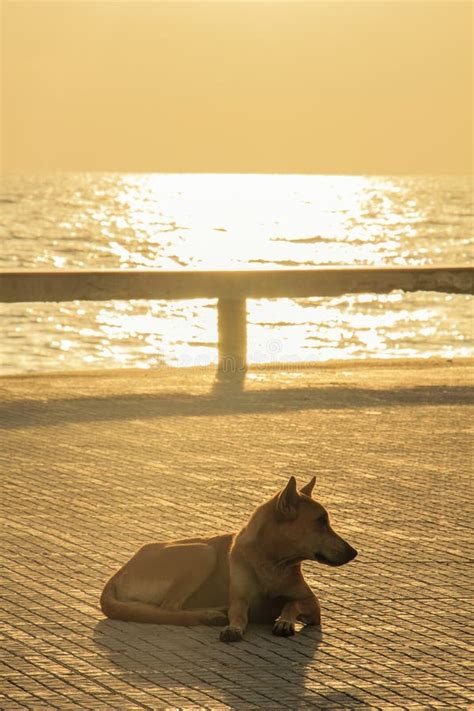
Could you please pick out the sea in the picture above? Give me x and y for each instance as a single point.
(184, 222)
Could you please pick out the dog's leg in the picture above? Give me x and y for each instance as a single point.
(310, 613)
(240, 593)
(193, 564)
(306, 611)
(285, 625)
(238, 618)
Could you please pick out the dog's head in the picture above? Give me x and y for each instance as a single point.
(303, 528)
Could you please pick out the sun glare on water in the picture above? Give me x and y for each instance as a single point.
(246, 221)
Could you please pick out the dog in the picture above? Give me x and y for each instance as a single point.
(254, 575)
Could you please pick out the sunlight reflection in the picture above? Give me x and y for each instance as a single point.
(242, 221)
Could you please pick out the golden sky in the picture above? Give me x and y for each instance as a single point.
(374, 87)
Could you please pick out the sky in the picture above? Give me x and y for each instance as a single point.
(330, 87)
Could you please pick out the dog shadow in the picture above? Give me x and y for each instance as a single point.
(178, 666)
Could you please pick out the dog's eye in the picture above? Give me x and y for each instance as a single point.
(322, 520)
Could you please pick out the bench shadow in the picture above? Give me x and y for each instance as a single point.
(224, 399)
(191, 661)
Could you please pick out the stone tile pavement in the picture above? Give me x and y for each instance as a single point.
(94, 465)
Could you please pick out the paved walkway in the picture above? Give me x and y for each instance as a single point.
(93, 466)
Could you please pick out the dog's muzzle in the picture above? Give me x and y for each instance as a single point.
(349, 555)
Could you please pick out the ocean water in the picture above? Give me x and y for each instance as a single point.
(232, 222)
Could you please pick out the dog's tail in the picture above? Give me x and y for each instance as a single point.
(144, 612)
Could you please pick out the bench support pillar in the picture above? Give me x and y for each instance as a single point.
(232, 331)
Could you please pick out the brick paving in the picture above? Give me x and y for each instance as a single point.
(95, 465)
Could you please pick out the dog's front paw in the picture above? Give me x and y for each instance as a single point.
(231, 634)
(282, 628)
(217, 618)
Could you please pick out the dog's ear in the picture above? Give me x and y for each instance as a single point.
(308, 489)
(288, 500)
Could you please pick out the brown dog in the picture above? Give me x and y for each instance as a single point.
(254, 574)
